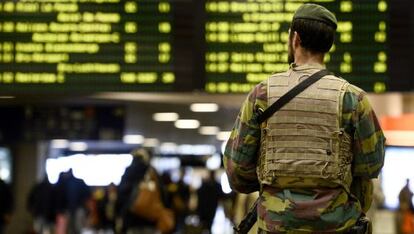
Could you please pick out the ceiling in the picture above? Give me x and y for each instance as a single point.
(141, 106)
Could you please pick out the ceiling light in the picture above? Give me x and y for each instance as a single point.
(196, 149)
(133, 139)
(78, 146)
(59, 143)
(204, 107)
(187, 123)
(7, 97)
(165, 116)
(223, 135)
(151, 142)
(213, 162)
(209, 130)
(168, 148)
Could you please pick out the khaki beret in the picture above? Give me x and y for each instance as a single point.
(316, 12)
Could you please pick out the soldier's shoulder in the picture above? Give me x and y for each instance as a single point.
(259, 91)
(355, 90)
(281, 74)
(336, 77)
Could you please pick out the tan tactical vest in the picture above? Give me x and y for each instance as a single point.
(304, 139)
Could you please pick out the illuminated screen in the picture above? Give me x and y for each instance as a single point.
(247, 41)
(397, 168)
(84, 45)
(214, 46)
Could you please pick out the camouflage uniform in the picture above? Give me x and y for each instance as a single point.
(307, 205)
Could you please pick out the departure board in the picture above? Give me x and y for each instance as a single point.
(247, 41)
(213, 46)
(86, 45)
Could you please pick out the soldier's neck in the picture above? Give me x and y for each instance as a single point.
(303, 56)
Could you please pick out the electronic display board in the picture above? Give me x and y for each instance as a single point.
(214, 46)
(247, 41)
(76, 45)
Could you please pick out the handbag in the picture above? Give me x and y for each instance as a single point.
(146, 203)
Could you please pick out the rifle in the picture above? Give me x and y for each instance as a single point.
(362, 226)
(248, 221)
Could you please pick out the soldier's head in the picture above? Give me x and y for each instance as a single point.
(313, 28)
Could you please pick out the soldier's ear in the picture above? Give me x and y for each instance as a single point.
(296, 39)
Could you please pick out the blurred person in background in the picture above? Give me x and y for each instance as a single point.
(110, 200)
(313, 160)
(405, 197)
(180, 201)
(93, 218)
(71, 195)
(405, 215)
(128, 222)
(6, 205)
(42, 206)
(209, 195)
(105, 199)
(169, 189)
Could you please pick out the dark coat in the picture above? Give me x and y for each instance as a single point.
(131, 178)
(6, 201)
(41, 201)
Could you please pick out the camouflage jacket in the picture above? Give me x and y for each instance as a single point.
(317, 208)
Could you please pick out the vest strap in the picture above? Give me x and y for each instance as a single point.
(291, 94)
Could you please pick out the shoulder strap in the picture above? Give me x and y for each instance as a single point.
(291, 94)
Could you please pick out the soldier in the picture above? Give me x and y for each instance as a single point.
(313, 160)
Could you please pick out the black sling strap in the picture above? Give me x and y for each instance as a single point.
(291, 94)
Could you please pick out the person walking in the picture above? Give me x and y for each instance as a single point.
(71, 195)
(209, 195)
(129, 222)
(140, 205)
(6, 205)
(41, 205)
(312, 160)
